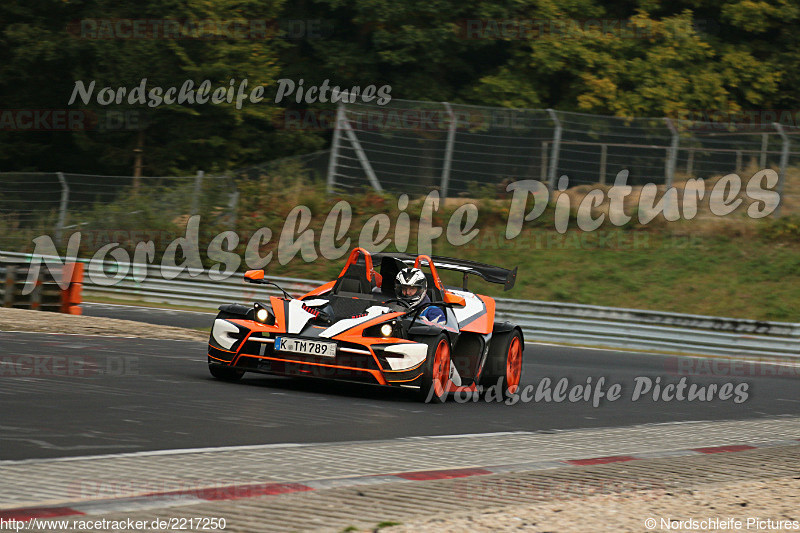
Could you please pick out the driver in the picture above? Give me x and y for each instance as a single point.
(411, 286)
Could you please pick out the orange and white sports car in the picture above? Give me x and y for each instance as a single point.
(356, 329)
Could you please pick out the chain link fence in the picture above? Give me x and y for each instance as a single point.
(128, 210)
(312, 167)
(407, 147)
(121, 208)
(414, 147)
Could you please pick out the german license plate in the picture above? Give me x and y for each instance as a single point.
(305, 346)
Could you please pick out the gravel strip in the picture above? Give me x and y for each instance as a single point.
(46, 322)
(775, 500)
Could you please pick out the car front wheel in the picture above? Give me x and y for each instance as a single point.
(436, 371)
(225, 373)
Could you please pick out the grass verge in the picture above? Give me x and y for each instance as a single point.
(725, 266)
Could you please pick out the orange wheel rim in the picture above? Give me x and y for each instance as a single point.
(441, 368)
(514, 365)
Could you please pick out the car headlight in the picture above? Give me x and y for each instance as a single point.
(262, 314)
(385, 330)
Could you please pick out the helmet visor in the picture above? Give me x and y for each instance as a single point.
(409, 292)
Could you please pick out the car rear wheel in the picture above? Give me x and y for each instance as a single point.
(436, 371)
(225, 373)
(504, 362)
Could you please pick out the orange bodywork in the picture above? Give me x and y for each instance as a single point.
(354, 335)
(435, 274)
(354, 257)
(322, 289)
(454, 299)
(485, 323)
(254, 275)
(359, 344)
(278, 310)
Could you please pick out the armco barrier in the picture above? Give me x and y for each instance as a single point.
(47, 294)
(637, 329)
(587, 325)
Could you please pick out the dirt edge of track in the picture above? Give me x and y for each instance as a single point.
(46, 322)
(714, 507)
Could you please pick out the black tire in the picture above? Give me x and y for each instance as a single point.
(436, 371)
(498, 368)
(225, 315)
(221, 372)
(225, 373)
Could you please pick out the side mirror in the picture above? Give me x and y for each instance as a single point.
(254, 276)
(454, 299)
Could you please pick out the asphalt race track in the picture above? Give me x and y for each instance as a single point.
(64, 395)
(150, 315)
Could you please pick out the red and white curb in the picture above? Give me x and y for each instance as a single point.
(255, 490)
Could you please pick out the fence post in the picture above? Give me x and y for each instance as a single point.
(690, 162)
(10, 286)
(554, 153)
(670, 163)
(333, 158)
(738, 161)
(545, 144)
(784, 162)
(198, 184)
(62, 208)
(448, 154)
(603, 157)
(764, 144)
(362, 156)
(233, 203)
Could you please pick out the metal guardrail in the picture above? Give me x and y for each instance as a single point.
(596, 326)
(46, 294)
(637, 329)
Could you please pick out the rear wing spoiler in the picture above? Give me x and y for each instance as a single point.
(490, 273)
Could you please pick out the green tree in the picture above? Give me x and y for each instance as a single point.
(637, 66)
(644, 58)
(49, 48)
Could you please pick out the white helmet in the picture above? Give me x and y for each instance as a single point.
(410, 285)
